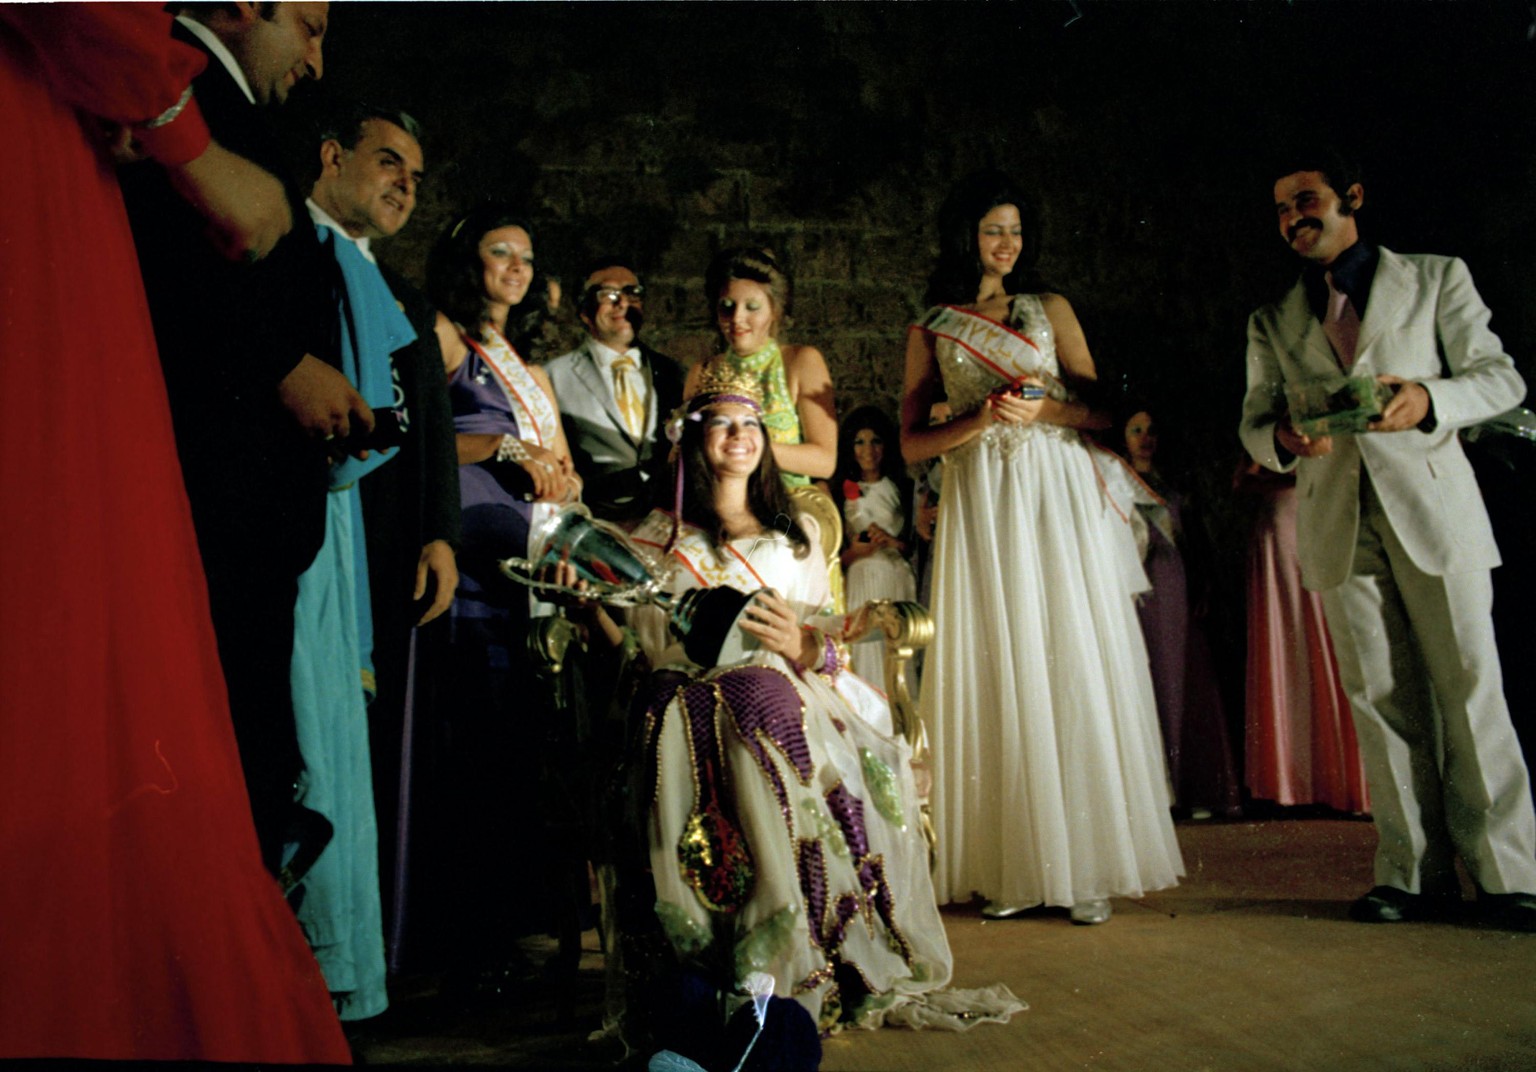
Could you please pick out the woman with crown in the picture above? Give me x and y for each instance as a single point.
(1049, 784)
(750, 295)
(784, 831)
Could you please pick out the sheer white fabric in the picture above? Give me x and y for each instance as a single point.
(886, 574)
(899, 950)
(1049, 780)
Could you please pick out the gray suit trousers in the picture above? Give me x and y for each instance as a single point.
(1417, 658)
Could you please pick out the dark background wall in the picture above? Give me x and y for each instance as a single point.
(831, 131)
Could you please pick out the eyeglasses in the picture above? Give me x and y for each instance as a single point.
(611, 295)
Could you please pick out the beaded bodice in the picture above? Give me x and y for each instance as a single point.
(968, 380)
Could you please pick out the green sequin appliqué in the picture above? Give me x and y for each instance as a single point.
(884, 792)
(756, 950)
(823, 826)
(686, 935)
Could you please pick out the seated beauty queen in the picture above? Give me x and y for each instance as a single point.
(784, 831)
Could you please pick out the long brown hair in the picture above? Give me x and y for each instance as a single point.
(767, 497)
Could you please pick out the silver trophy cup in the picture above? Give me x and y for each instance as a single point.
(618, 574)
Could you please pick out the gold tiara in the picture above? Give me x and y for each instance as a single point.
(722, 379)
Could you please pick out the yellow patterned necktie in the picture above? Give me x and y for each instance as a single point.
(630, 407)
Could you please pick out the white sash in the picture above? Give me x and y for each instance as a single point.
(1008, 354)
(537, 421)
(700, 560)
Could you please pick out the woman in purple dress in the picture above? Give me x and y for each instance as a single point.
(512, 450)
(513, 464)
(1189, 707)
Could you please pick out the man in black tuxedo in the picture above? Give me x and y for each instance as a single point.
(615, 396)
(255, 395)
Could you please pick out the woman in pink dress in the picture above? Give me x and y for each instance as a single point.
(1301, 737)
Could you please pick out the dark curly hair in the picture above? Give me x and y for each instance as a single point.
(767, 497)
(875, 419)
(455, 273)
(1338, 170)
(956, 278)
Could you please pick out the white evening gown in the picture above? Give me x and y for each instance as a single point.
(784, 830)
(1049, 780)
(886, 574)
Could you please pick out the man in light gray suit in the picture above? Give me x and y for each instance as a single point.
(1393, 531)
(615, 396)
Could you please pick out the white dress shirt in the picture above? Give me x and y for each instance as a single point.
(224, 56)
(605, 357)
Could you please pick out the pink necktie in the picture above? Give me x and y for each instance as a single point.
(1342, 324)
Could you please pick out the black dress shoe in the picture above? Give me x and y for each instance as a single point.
(1508, 911)
(306, 837)
(1388, 904)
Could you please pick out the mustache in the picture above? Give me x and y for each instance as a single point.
(1296, 228)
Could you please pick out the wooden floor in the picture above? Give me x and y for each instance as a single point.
(1249, 965)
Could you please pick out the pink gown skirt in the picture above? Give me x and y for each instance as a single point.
(1300, 735)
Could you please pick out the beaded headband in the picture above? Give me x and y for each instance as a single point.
(718, 383)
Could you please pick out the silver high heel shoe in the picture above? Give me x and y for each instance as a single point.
(1087, 913)
(999, 910)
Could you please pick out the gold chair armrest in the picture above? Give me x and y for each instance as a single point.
(809, 499)
(908, 628)
(548, 641)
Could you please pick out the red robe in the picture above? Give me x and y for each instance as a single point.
(136, 919)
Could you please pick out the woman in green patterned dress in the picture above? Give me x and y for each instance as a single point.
(750, 295)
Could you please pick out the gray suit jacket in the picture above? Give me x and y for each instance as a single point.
(1424, 321)
(621, 471)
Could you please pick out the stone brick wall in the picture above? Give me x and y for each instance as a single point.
(831, 132)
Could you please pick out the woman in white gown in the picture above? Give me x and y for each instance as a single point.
(875, 497)
(784, 831)
(1049, 784)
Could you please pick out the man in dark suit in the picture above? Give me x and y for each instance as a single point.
(254, 392)
(615, 396)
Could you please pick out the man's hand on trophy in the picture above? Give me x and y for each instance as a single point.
(1409, 406)
(1302, 446)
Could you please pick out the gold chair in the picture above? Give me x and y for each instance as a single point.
(810, 499)
(908, 628)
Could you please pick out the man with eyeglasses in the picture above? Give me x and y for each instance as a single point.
(615, 396)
